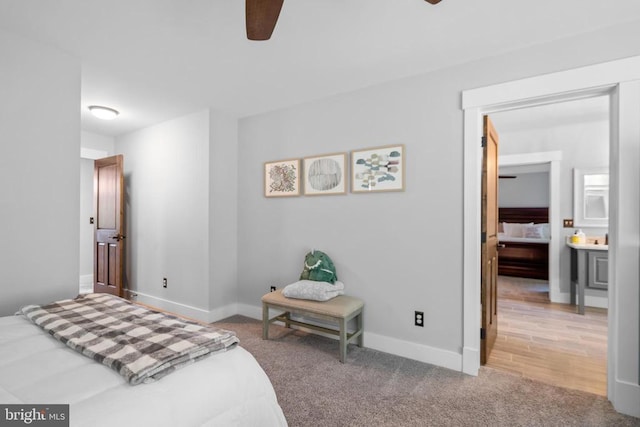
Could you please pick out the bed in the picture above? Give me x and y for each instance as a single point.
(524, 242)
(227, 388)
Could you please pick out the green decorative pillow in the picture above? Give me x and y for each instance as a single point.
(318, 267)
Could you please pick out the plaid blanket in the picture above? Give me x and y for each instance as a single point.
(141, 344)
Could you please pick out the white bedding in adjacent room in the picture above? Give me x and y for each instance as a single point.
(502, 237)
(226, 389)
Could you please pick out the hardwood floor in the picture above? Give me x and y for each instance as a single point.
(549, 342)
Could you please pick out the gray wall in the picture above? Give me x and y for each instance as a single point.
(39, 173)
(399, 252)
(223, 214)
(527, 190)
(181, 208)
(166, 182)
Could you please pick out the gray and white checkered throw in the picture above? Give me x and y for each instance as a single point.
(141, 344)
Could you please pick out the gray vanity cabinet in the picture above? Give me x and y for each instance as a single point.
(598, 269)
(589, 269)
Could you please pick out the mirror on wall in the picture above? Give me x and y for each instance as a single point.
(591, 197)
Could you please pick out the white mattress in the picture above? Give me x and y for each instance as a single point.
(226, 389)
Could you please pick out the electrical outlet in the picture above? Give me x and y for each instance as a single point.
(419, 318)
(273, 289)
(164, 282)
(567, 223)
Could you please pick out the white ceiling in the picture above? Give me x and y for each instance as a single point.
(157, 59)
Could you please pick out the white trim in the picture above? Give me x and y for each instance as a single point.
(624, 232)
(91, 154)
(553, 158)
(549, 88)
(471, 240)
(250, 311)
(171, 306)
(411, 350)
(623, 273)
(628, 398)
(589, 300)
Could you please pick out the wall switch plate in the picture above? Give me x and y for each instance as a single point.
(164, 282)
(567, 223)
(272, 289)
(419, 318)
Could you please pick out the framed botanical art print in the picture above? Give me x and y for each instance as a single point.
(325, 174)
(282, 178)
(378, 169)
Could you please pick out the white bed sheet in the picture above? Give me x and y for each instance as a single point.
(504, 238)
(226, 389)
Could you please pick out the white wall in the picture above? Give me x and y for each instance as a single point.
(399, 252)
(96, 145)
(39, 170)
(166, 207)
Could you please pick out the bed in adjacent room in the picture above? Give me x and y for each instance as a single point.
(524, 242)
(218, 384)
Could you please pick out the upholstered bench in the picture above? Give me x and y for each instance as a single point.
(340, 310)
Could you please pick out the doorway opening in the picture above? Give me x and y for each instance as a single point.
(538, 328)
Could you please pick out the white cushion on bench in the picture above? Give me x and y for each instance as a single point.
(312, 290)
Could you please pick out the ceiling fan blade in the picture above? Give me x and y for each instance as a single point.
(433, 1)
(262, 16)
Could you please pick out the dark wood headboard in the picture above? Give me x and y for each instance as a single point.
(523, 215)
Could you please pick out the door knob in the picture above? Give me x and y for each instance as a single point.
(119, 237)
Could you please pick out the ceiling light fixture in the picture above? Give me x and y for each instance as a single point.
(104, 113)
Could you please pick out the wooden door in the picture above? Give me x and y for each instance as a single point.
(108, 205)
(489, 241)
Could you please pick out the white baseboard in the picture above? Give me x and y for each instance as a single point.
(627, 398)
(250, 311)
(470, 361)
(589, 300)
(86, 284)
(414, 351)
(173, 307)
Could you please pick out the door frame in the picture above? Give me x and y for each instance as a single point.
(620, 80)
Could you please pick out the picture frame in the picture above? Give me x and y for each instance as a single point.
(325, 174)
(282, 178)
(378, 169)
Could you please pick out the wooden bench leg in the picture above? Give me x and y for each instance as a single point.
(343, 339)
(265, 321)
(287, 316)
(360, 323)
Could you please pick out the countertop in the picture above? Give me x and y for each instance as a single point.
(587, 246)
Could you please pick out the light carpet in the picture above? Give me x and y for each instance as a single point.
(378, 389)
